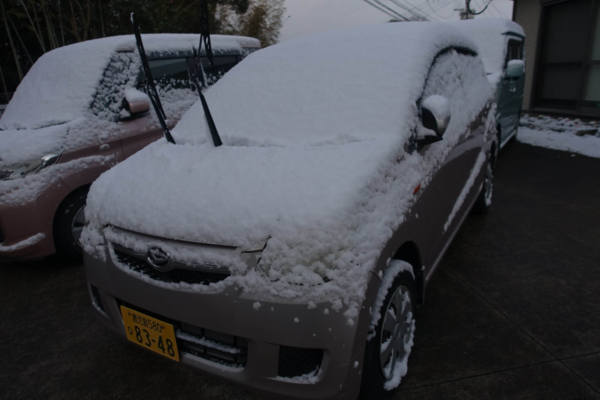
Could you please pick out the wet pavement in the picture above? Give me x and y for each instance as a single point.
(513, 310)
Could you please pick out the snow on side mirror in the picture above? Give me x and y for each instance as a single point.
(515, 68)
(135, 104)
(435, 117)
(435, 114)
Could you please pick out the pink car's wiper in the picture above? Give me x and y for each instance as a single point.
(150, 87)
(205, 37)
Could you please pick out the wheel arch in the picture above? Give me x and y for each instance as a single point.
(409, 252)
(72, 193)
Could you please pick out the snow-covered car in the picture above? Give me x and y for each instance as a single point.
(77, 113)
(501, 44)
(291, 259)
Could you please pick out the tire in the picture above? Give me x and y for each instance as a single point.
(68, 225)
(382, 375)
(484, 199)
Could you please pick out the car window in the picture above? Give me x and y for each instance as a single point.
(458, 76)
(514, 50)
(222, 65)
(121, 73)
(169, 73)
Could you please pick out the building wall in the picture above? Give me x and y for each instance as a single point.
(527, 14)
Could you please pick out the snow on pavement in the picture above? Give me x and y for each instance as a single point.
(561, 134)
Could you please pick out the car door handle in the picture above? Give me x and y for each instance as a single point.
(104, 146)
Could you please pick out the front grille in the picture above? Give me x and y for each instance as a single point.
(214, 346)
(174, 276)
(1, 236)
(204, 343)
(294, 361)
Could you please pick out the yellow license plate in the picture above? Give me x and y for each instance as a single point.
(151, 333)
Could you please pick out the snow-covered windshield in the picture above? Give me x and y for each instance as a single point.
(59, 86)
(338, 87)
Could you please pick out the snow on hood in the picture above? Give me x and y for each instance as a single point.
(236, 196)
(62, 83)
(490, 36)
(18, 146)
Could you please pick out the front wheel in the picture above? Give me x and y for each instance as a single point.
(68, 225)
(391, 339)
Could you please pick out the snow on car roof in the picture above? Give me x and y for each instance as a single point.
(62, 83)
(490, 36)
(346, 85)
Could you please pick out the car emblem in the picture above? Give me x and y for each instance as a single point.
(159, 259)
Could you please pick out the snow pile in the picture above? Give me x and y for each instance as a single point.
(489, 35)
(314, 162)
(561, 134)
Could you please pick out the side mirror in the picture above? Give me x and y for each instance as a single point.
(435, 117)
(515, 68)
(135, 104)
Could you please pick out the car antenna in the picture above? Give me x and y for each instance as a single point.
(150, 87)
(205, 37)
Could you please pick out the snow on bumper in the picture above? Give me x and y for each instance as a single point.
(270, 329)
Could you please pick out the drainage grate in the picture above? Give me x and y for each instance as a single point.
(174, 276)
(294, 361)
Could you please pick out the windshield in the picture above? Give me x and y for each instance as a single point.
(58, 88)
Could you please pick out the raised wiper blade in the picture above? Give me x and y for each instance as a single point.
(205, 38)
(150, 87)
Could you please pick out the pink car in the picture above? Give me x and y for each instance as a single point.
(77, 113)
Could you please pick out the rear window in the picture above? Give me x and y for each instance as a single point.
(173, 72)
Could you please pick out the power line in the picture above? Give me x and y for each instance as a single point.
(436, 13)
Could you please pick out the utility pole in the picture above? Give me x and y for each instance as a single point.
(464, 12)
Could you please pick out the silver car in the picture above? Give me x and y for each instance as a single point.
(291, 260)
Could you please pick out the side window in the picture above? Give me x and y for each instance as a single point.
(514, 50)
(171, 73)
(121, 73)
(461, 79)
(222, 65)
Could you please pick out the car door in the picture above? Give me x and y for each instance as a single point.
(172, 81)
(455, 154)
(511, 91)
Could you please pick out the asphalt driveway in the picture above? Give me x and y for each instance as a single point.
(513, 311)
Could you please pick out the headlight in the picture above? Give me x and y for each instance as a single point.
(29, 168)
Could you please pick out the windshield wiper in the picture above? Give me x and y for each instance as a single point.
(150, 87)
(205, 37)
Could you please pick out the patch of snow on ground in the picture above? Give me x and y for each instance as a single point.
(561, 134)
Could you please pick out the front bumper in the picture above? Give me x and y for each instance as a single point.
(26, 233)
(269, 331)
(27, 224)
